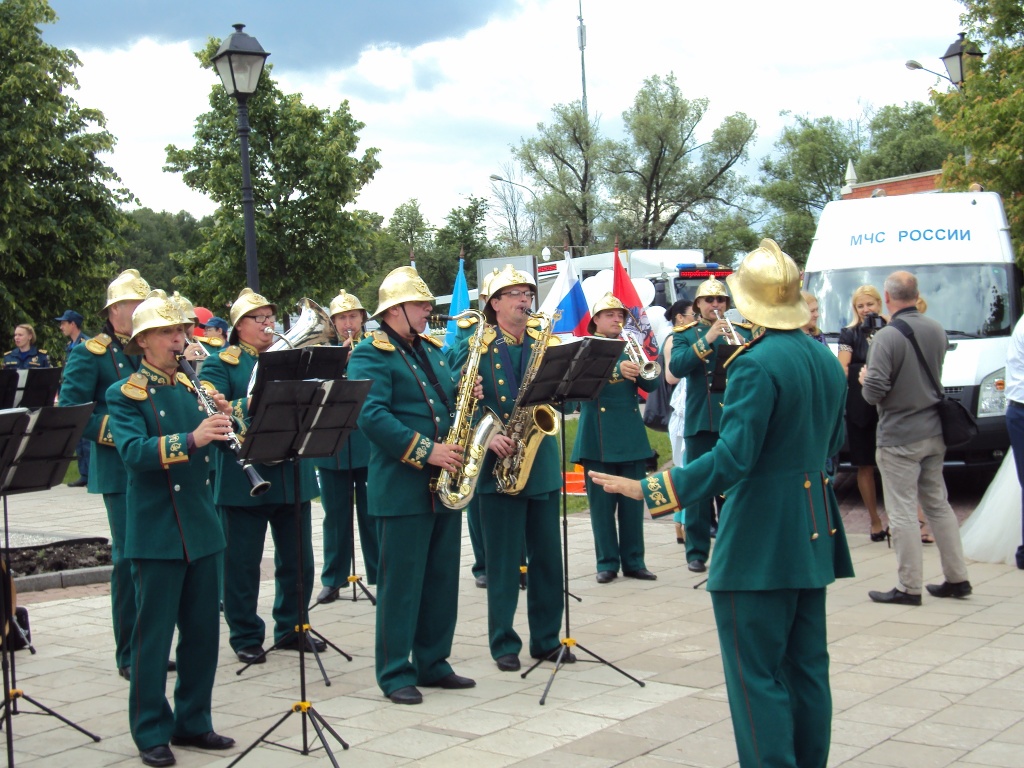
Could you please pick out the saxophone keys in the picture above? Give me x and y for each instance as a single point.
(471, 470)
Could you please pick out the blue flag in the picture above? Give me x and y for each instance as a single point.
(460, 302)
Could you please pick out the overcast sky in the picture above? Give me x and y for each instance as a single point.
(445, 87)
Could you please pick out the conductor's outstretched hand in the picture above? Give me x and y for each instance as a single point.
(616, 484)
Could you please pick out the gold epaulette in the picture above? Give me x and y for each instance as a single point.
(41, 351)
(467, 322)
(98, 344)
(535, 333)
(432, 339)
(134, 387)
(382, 342)
(489, 335)
(744, 326)
(211, 340)
(681, 328)
(533, 322)
(183, 379)
(231, 355)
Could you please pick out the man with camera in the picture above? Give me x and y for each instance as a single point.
(910, 449)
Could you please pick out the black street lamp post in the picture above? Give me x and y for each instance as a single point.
(953, 60)
(239, 62)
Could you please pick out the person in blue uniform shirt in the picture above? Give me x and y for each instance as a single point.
(90, 370)
(406, 416)
(71, 326)
(780, 540)
(611, 438)
(217, 328)
(172, 535)
(246, 518)
(343, 480)
(25, 355)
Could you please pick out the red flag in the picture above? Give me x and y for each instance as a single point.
(637, 323)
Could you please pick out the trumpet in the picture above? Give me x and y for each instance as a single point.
(259, 485)
(732, 337)
(649, 369)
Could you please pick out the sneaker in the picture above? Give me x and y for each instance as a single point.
(947, 589)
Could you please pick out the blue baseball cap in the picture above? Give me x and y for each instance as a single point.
(218, 322)
(71, 316)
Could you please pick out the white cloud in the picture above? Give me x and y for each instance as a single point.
(445, 113)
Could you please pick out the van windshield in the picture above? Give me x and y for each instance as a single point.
(971, 300)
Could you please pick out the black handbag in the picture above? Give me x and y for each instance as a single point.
(958, 425)
(658, 409)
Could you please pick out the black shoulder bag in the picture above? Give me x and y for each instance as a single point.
(958, 425)
(658, 409)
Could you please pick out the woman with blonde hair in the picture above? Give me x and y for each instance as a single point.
(861, 418)
(812, 329)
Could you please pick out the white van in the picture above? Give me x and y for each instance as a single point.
(958, 246)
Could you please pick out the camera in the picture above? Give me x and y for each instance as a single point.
(872, 322)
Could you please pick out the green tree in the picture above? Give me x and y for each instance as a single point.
(408, 225)
(986, 117)
(151, 237)
(565, 160)
(304, 173)
(60, 220)
(661, 174)
(904, 140)
(465, 232)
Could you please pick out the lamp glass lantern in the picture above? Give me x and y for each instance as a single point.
(953, 59)
(239, 62)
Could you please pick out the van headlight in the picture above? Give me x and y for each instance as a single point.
(992, 394)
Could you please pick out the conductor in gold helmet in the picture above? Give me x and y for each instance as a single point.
(406, 416)
(780, 539)
(695, 355)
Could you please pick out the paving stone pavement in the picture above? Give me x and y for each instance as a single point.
(938, 685)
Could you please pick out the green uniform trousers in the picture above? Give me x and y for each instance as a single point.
(417, 598)
(476, 536)
(626, 547)
(246, 532)
(698, 517)
(173, 592)
(775, 654)
(508, 522)
(336, 492)
(122, 588)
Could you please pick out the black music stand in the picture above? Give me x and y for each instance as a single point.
(36, 389)
(8, 387)
(35, 450)
(576, 371)
(297, 419)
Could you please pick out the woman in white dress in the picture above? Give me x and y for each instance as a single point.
(993, 531)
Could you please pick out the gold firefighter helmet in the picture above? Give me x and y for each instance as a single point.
(766, 288)
(711, 287)
(605, 303)
(399, 286)
(505, 278)
(186, 308)
(128, 286)
(346, 302)
(157, 311)
(246, 302)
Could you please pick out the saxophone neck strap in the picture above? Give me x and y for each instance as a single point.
(514, 376)
(418, 352)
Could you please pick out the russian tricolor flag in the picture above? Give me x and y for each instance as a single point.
(572, 303)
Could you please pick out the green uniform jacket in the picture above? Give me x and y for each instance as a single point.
(610, 427)
(91, 369)
(170, 503)
(693, 358)
(228, 372)
(403, 417)
(780, 526)
(500, 397)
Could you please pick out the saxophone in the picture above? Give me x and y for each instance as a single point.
(456, 489)
(528, 425)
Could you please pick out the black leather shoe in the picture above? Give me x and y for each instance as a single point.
(481, 581)
(641, 573)
(567, 658)
(697, 566)
(407, 695)
(311, 643)
(254, 654)
(603, 577)
(947, 589)
(452, 682)
(896, 597)
(79, 483)
(508, 663)
(125, 672)
(160, 755)
(328, 595)
(208, 740)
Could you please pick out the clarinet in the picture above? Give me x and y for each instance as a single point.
(233, 444)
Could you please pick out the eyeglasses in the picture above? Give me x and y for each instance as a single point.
(722, 299)
(261, 319)
(516, 294)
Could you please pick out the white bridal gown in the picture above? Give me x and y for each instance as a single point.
(993, 531)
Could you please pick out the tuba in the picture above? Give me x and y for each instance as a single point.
(649, 369)
(528, 425)
(313, 327)
(456, 489)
